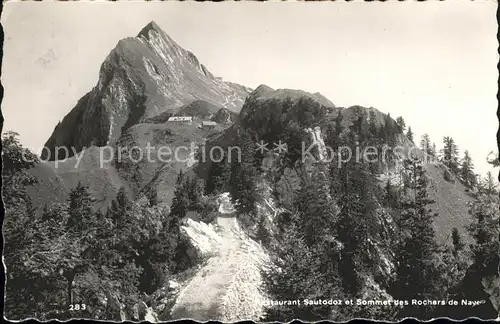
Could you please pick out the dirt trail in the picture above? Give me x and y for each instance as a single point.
(227, 288)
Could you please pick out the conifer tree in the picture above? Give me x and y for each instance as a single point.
(318, 209)
(389, 130)
(409, 134)
(456, 238)
(332, 138)
(391, 198)
(401, 124)
(356, 220)
(485, 231)
(180, 202)
(417, 271)
(373, 128)
(426, 146)
(79, 209)
(218, 179)
(54, 252)
(467, 170)
(489, 186)
(195, 193)
(334, 135)
(338, 124)
(120, 207)
(262, 233)
(18, 218)
(243, 179)
(360, 127)
(300, 276)
(450, 154)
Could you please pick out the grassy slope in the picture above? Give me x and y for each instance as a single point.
(198, 108)
(50, 187)
(162, 175)
(55, 180)
(450, 203)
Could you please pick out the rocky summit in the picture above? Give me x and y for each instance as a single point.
(142, 77)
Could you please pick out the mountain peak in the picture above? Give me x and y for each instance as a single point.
(143, 77)
(150, 26)
(262, 90)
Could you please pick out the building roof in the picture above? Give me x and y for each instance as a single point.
(209, 123)
(180, 118)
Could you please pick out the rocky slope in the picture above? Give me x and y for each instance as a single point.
(142, 77)
(224, 116)
(143, 81)
(267, 110)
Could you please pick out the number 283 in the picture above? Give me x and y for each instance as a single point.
(77, 307)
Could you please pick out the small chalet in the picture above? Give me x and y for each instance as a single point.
(208, 124)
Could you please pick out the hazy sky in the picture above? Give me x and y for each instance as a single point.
(434, 63)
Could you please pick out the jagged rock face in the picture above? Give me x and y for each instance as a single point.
(142, 77)
(224, 116)
(266, 110)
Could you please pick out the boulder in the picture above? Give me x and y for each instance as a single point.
(150, 315)
(141, 312)
(172, 285)
(201, 239)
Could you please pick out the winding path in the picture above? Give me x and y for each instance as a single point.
(227, 288)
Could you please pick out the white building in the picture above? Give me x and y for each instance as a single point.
(208, 124)
(181, 119)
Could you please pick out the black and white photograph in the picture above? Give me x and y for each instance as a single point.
(250, 161)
